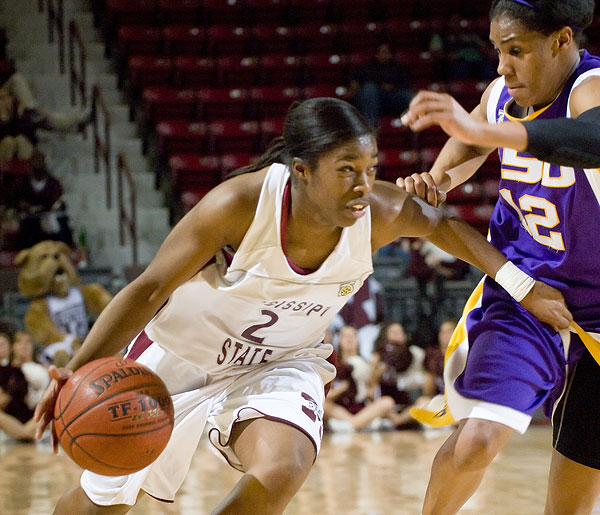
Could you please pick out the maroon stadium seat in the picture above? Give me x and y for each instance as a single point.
(326, 90)
(148, 70)
(394, 163)
(309, 11)
(228, 136)
(193, 175)
(281, 69)
(318, 38)
(468, 192)
(343, 10)
(185, 39)
(467, 92)
(390, 9)
(274, 39)
(218, 103)
(182, 137)
(361, 35)
(267, 11)
(224, 11)
(233, 161)
(238, 71)
(326, 69)
(392, 134)
(229, 40)
(193, 71)
(270, 128)
(271, 101)
(139, 40)
(130, 12)
(179, 11)
(168, 104)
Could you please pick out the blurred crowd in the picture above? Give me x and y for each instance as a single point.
(32, 208)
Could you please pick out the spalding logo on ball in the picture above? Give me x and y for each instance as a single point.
(113, 416)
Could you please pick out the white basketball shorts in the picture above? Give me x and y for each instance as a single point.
(290, 392)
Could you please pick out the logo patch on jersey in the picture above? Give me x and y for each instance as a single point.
(346, 289)
(500, 117)
(311, 409)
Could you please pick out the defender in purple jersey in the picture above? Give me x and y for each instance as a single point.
(543, 115)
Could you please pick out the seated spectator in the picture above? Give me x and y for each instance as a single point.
(351, 404)
(433, 364)
(401, 369)
(16, 416)
(381, 87)
(13, 385)
(364, 311)
(430, 264)
(64, 121)
(35, 373)
(40, 206)
(17, 129)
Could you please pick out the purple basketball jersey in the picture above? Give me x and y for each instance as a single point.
(547, 216)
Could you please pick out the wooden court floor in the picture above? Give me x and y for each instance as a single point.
(356, 474)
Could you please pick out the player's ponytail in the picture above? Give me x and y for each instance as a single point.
(275, 153)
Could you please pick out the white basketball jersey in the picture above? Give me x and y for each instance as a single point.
(69, 313)
(258, 309)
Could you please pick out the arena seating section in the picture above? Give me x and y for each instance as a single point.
(214, 78)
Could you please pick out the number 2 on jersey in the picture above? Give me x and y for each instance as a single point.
(532, 222)
(249, 333)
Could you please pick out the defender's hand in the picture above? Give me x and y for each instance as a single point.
(548, 305)
(429, 108)
(423, 186)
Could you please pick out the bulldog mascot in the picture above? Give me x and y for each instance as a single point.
(57, 317)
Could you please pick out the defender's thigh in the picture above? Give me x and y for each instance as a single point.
(576, 419)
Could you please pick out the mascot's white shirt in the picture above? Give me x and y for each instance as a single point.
(258, 309)
(69, 313)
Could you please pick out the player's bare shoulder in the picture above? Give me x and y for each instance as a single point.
(232, 204)
(386, 201)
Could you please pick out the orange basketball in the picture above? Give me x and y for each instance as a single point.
(113, 416)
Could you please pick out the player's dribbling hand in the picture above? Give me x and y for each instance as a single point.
(423, 186)
(429, 108)
(44, 411)
(548, 305)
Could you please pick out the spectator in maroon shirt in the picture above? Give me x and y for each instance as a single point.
(40, 205)
(13, 385)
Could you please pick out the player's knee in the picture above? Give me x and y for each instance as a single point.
(478, 443)
(388, 402)
(285, 475)
(75, 501)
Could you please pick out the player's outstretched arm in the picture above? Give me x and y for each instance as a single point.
(563, 141)
(396, 214)
(220, 219)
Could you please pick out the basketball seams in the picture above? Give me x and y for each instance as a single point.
(125, 470)
(101, 363)
(103, 400)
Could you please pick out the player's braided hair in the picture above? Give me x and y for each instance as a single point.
(312, 128)
(547, 16)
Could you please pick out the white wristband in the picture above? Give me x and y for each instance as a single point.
(516, 282)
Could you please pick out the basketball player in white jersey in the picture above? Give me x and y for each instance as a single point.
(232, 311)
